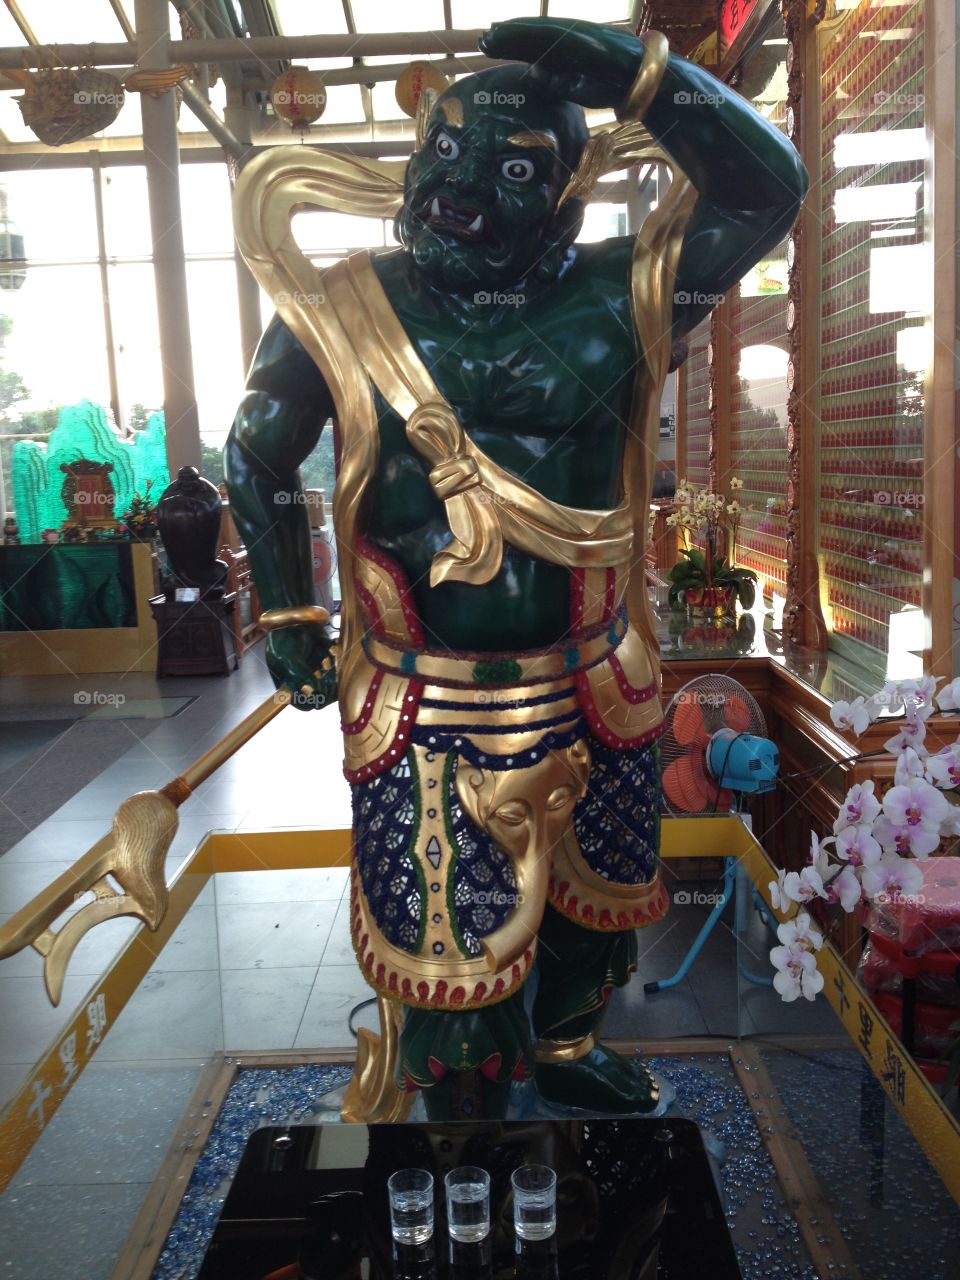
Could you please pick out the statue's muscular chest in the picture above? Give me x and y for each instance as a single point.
(542, 385)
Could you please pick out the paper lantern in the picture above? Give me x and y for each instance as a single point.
(298, 97)
(412, 82)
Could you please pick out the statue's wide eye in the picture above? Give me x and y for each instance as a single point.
(446, 148)
(517, 170)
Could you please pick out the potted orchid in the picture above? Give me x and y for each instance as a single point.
(873, 855)
(705, 580)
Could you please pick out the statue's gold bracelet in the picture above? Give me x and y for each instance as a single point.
(644, 88)
(296, 615)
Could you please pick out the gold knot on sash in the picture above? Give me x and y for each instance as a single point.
(476, 551)
(435, 432)
(486, 506)
(453, 476)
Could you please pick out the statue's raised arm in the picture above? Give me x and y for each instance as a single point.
(748, 178)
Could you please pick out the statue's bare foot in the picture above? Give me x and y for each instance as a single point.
(602, 1080)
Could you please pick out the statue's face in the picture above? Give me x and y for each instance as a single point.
(480, 208)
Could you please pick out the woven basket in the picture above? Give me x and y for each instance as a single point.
(63, 106)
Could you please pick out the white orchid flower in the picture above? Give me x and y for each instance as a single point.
(803, 886)
(797, 973)
(948, 699)
(852, 717)
(909, 765)
(858, 846)
(860, 806)
(893, 878)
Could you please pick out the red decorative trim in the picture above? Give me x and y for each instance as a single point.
(369, 552)
(375, 621)
(605, 921)
(490, 1067)
(393, 753)
(600, 730)
(577, 591)
(632, 694)
(363, 719)
(578, 597)
(609, 595)
(389, 982)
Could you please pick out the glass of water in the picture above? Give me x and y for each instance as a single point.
(534, 1201)
(411, 1205)
(468, 1203)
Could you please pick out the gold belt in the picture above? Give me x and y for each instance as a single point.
(491, 670)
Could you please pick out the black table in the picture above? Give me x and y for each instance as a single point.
(636, 1200)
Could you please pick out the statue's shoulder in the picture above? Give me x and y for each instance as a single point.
(600, 273)
(607, 261)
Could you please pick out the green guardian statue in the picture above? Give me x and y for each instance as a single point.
(495, 388)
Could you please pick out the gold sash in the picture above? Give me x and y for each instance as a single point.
(485, 504)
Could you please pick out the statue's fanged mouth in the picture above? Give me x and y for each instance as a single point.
(463, 222)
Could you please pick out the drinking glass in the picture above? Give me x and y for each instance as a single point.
(411, 1205)
(468, 1203)
(534, 1201)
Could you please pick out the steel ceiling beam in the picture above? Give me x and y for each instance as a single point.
(192, 96)
(266, 48)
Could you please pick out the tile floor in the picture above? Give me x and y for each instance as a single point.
(264, 960)
(261, 961)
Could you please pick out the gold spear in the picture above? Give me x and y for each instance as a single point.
(132, 853)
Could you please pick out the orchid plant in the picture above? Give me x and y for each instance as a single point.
(715, 520)
(872, 854)
(703, 513)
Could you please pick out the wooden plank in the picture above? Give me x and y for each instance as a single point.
(939, 388)
(159, 1210)
(829, 1252)
(700, 1046)
(299, 1057)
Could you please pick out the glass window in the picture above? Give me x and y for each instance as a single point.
(218, 370)
(189, 122)
(317, 231)
(299, 19)
(11, 121)
(55, 212)
(615, 11)
(126, 212)
(477, 15)
(133, 309)
(10, 33)
(205, 203)
(383, 15)
(74, 21)
(344, 106)
(693, 463)
(56, 341)
(875, 337)
(601, 221)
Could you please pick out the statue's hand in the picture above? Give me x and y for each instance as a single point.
(580, 61)
(299, 658)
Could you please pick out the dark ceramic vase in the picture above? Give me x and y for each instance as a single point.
(188, 516)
